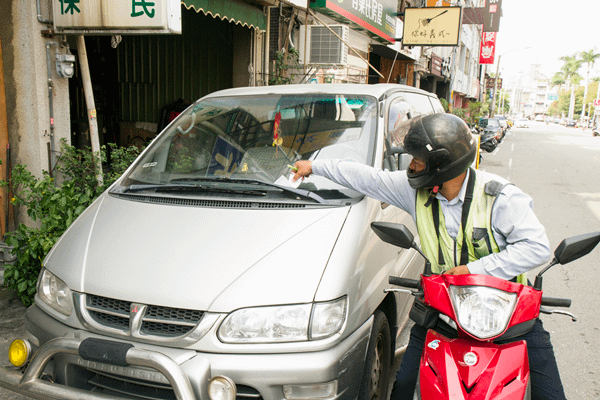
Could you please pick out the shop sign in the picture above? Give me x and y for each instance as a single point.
(492, 12)
(376, 16)
(487, 48)
(431, 26)
(490, 83)
(438, 3)
(436, 64)
(116, 16)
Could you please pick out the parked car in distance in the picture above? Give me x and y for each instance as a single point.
(491, 126)
(503, 122)
(570, 122)
(205, 269)
(522, 123)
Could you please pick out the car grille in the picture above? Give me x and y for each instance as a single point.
(156, 321)
(115, 385)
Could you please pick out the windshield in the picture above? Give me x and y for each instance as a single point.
(491, 122)
(259, 138)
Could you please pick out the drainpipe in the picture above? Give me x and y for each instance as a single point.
(91, 105)
(49, 44)
(39, 14)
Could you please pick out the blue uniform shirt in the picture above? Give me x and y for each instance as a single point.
(519, 234)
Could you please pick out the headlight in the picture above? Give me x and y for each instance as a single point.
(284, 323)
(54, 292)
(482, 311)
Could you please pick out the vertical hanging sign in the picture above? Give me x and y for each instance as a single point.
(488, 47)
(492, 13)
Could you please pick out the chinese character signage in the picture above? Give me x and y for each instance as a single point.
(377, 17)
(431, 26)
(492, 13)
(491, 84)
(488, 48)
(438, 3)
(117, 16)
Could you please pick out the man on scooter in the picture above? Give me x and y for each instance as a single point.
(469, 222)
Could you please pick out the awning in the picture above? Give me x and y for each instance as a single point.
(234, 11)
(387, 52)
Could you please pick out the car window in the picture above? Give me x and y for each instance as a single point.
(437, 105)
(399, 111)
(485, 122)
(420, 103)
(257, 137)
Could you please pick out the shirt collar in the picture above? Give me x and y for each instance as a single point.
(461, 194)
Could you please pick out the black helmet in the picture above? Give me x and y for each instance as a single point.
(444, 142)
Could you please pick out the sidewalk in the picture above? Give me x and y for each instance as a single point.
(12, 326)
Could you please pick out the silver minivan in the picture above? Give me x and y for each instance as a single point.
(205, 272)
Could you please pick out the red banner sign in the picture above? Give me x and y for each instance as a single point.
(488, 48)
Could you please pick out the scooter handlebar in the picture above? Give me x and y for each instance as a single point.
(405, 282)
(555, 302)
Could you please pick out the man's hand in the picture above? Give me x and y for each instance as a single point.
(303, 170)
(460, 270)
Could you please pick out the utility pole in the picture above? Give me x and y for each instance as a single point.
(496, 81)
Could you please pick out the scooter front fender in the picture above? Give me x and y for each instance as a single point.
(498, 372)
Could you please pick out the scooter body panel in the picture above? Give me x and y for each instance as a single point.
(501, 372)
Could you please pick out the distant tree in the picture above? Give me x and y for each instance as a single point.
(553, 109)
(558, 79)
(572, 78)
(588, 58)
(570, 70)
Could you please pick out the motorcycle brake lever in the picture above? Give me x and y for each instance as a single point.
(548, 311)
(398, 290)
(416, 294)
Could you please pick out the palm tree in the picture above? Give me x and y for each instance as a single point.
(558, 79)
(569, 72)
(588, 58)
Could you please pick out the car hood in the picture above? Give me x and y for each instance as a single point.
(212, 259)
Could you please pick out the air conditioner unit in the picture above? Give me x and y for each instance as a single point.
(323, 47)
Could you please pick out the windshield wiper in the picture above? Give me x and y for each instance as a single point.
(193, 188)
(299, 192)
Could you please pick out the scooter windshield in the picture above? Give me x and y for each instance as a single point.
(259, 138)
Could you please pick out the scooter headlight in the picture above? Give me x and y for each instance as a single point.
(482, 311)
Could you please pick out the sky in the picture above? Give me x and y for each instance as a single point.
(551, 28)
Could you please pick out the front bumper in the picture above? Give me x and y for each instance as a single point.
(185, 372)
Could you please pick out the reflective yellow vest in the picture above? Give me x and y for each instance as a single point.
(480, 238)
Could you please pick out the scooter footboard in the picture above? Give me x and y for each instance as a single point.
(468, 369)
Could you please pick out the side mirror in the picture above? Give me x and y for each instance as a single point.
(570, 250)
(394, 234)
(397, 150)
(399, 235)
(576, 247)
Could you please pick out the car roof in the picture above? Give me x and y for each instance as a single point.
(376, 90)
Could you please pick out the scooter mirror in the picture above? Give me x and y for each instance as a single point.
(575, 247)
(394, 234)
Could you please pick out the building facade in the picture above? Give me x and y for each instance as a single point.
(140, 80)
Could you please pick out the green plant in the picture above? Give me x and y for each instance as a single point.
(459, 112)
(445, 104)
(54, 207)
(285, 61)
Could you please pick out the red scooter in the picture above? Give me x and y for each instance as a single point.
(466, 315)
